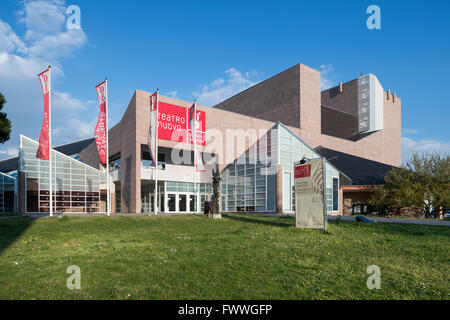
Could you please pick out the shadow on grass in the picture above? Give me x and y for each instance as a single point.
(260, 220)
(11, 229)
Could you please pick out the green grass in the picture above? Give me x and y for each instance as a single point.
(237, 257)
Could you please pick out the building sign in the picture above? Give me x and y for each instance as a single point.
(309, 194)
(173, 124)
(302, 171)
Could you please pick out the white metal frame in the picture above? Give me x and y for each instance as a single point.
(71, 160)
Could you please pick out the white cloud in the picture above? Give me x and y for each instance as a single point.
(74, 129)
(221, 89)
(172, 94)
(65, 101)
(327, 79)
(11, 152)
(410, 131)
(46, 41)
(9, 41)
(423, 146)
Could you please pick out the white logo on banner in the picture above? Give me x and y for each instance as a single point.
(44, 82)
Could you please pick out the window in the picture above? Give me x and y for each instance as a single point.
(335, 194)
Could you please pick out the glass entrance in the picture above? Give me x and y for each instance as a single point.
(191, 203)
(182, 202)
(171, 202)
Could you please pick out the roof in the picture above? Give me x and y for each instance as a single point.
(69, 149)
(74, 147)
(360, 170)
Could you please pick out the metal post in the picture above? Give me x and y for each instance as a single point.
(155, 198)
(108, 196)
(324, 194)
(50, 135)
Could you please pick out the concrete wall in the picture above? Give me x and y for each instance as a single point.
(274, 99)
(345, 100)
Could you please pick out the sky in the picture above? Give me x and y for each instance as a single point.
(211, 50)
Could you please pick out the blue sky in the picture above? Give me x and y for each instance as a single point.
(210, 50)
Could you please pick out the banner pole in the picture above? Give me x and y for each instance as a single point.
(108, 196)
(50, 136)
(194, 140)
(155, 199)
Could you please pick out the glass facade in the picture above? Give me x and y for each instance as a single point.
(7, 193)
(76, 186)
(248, 184)
(174, 196)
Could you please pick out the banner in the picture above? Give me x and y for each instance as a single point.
(100, 128)
(194, 125)
(43, 151)
(309, 194)
(152, 131)
(173, 124)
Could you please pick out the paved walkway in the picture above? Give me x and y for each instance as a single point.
(345, 218)
(397, 220)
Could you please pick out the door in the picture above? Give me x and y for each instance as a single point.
(191, 203)
(182, 202)
(171, 202)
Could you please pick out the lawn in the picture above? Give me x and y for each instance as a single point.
(238, 257)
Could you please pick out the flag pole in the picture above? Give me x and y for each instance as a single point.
(50, 136)
(155, 197)
(108, 196)
(194, 138)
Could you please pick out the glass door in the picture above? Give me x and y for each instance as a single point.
(171, 202)
(182, 202)
(191, 203)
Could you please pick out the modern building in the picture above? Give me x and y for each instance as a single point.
(252, 138)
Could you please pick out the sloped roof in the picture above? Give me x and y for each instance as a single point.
(360, 170)
(69, 149)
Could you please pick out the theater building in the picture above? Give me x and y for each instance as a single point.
(252, 138)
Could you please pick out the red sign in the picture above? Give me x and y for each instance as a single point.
(302, 171)
(100, 128)
(43, 151)
(173, 124)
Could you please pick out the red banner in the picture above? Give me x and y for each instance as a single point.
(194, 123)
(173, 124)
(152, 132)
(302, 171)
(43, 151)
(100, 128)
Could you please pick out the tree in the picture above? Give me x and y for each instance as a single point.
(216, 189)
(424, 182)
(5, 124)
